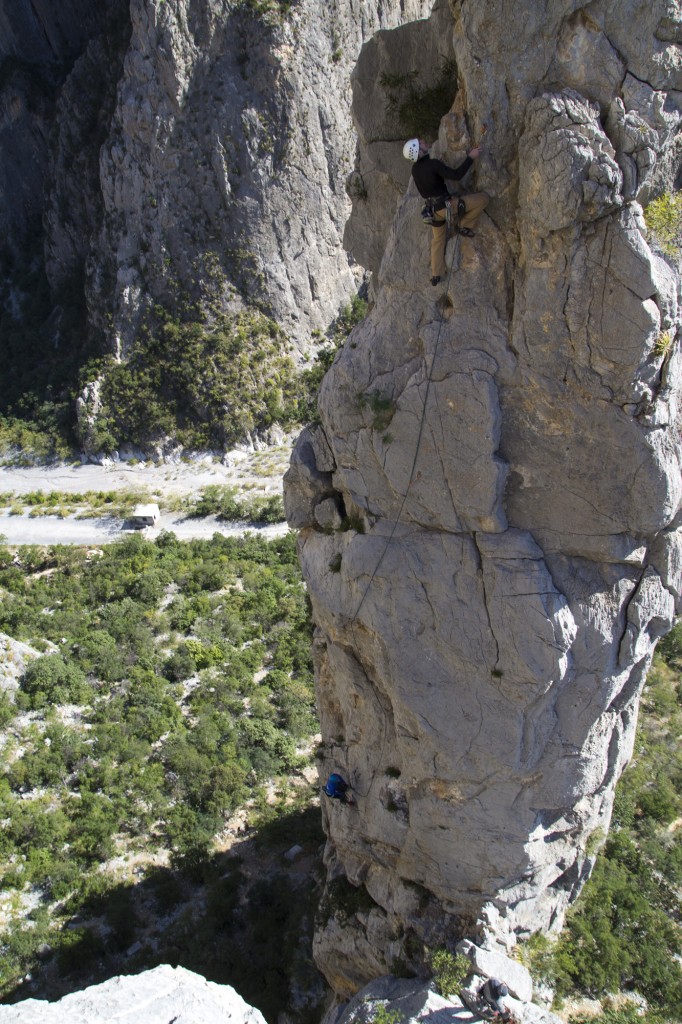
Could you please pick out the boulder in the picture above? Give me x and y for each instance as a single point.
(156, 997)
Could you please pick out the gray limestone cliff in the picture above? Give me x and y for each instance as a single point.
(157, 151)
(503, 452)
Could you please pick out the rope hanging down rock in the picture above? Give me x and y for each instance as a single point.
(407, 491)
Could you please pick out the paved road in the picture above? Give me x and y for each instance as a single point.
(54, 530)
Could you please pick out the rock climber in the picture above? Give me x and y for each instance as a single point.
(492, 992)
(430, 177)
(338, 789)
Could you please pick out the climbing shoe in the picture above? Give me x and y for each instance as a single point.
(435, 281)
(467, 232)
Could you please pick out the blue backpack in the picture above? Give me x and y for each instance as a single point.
(336, 786)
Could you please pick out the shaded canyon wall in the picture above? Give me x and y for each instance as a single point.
(168, 151)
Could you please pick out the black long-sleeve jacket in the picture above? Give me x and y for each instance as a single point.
(430, 175)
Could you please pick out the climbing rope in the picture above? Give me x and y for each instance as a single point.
(412, 471)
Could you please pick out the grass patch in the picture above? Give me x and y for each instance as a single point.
(663, 218)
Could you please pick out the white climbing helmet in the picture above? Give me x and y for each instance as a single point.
(411, 150)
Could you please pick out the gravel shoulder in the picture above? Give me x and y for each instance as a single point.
(246, 470)
(254, 473)
(71, 530)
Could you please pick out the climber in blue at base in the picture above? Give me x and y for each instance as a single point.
(338, 789)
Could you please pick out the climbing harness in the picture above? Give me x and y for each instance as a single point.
(433, 206)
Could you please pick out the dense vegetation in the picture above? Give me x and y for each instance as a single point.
(175, 684)
(175, 681)
(202, 383)
(624, 933)
(211, 385)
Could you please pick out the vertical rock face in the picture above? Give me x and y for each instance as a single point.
(177, 151)
(505, 450)
(39, 46)
(228, 154)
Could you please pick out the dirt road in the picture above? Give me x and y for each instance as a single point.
(54, 530)
(260, 471)
(252, 473)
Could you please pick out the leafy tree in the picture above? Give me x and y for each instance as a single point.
(51, 680)
(180, 665)
(99, 653)
(149, 709)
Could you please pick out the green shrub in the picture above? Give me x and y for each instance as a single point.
(29, 441)
(7, 709)
(206, 384)
(51, 680)
(669, 647)
(224, 502)
(382, 1015)
(181, 665)
(146, 764)
(203, 655)
(79, 949)
(450, 971)
(265, 8)
(664, 220)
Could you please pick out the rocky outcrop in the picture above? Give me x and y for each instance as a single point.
(15, 657)
(506, 457)
(40, 46)
(412, 1001)
(226, 163)
(155, 997)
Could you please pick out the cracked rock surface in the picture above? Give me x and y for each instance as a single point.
(504, 451)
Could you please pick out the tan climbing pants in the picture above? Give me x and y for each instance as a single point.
(475, 203)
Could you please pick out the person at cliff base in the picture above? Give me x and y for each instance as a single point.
(338, 789)
(493, 991)
(430, 177)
